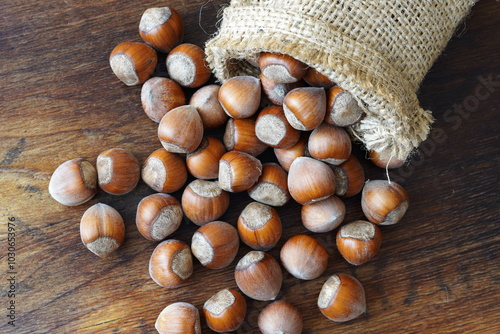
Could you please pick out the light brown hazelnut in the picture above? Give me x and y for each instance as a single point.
(179, 318)
(323, 216)
(203, 163)
(286, 156)
(281, 68)
(258, 275)
(225, 311)
(206, 101)
(133, 63)
(240, 96)
(305, 107)
(159, 96)
(330, 144)
(272, 186)
(215, 244)
(342, 298)
(238, 171)
(164, 172)
(239, 135)
(187, 66)
(158, 216)
(358, 241)
(171, 263)
(304, 257)
(162, 28)
(272, 128)
(181, 130)
(118, 171)
(280, 317)
(384, 202)
(102, 229)
(259, 226)
(74, 182)
(204, 201)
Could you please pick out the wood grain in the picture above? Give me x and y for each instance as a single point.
(438, 271)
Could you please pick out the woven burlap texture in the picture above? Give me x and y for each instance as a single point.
(378, 50)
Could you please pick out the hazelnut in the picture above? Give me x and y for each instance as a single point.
(240, 96)
(281, 68)
(118, 171)
(342, 298)
(323, 216)
(384, 202)
(203, 163)
(164, 172)
(171, 263)
(204, 201)
(238, 171)
(240, 136)
(350, 177)
(316, 79)
(215, 244)
(206, 101)
(280, 317)
(310, 180)
(179, 318)
(276, 92)
(259, 226)
(272, 186)
(384, 159)
(162, 28)
(359, 241)
(304, 257)
(102, 229)
(286, 156)
(172, 130)
(158, 216)
(258, 275)
(74, 182)
(342, 108)
(187, 66)
(133, 63)
(330, 144)
(305, 107)
(273, 129)
(225, 311)
(159, 96)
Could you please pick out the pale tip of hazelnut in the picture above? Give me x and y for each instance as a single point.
(202, 249)
(123, 67)
(154, 17)
(182, 263)
(219, 302)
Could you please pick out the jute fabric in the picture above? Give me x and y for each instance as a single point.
(378, 50)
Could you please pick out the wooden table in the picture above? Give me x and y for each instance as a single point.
(438, 270)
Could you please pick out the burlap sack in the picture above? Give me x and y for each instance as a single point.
(378, 50)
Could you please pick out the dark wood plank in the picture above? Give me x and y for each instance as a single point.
(437, 272)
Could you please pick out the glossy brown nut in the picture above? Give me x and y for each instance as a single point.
(118, 171)
(206, 101)
(171, 263)
(330, 144)
(74, 182)
(305, 107)
(159, 96)
(280, 317)
(272, 186)
(164, 172)
(259, 226)
(240, 96)
(323, 216)
(281, 68)
(238, 171)
(239, 135)
(172, 130)
(286, 156)
(350, 177)
(342, 298)
(215, 244)
(384, 202)
(273, 129)
(225, 311)
(203, 163)
(179, 318)
(358, 241)
(187, 66)
(204, 201)
(158, 216)
(102, 229)
(258, 275)
(304, 257)
(342, 108)
(133, 63)
(162, 28)
(384, 159)
(316, 79)
(310, 180)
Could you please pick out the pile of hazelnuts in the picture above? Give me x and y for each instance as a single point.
(291, 108)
